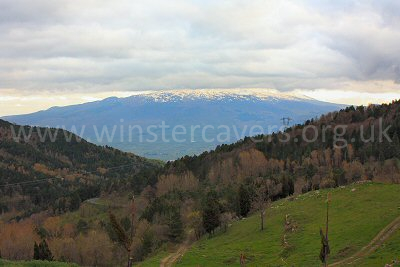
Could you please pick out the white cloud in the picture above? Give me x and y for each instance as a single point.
(92, 46)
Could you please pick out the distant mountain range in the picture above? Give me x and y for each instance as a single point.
(144, 123)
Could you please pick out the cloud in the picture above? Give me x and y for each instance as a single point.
(98, 46)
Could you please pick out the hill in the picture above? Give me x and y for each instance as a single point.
(238, 110)
(199, 196)
(53, 169)
(214, 188)
(357, 214)
(340, 147)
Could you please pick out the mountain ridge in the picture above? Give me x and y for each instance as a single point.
(240, 108)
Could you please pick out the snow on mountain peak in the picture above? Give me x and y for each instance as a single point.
(219, 94)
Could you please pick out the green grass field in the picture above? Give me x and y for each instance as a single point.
(154, 261)
(356, 217)
(35, 264)
(389, 251)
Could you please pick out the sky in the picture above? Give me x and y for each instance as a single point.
(73, 51)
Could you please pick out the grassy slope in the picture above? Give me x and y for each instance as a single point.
(356, 217)
(35, 264)
(154, 261)
(389, 251)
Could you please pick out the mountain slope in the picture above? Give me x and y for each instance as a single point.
(309, 165)
(358, 213)
(235, 110)
(355, 144)
(52, 168)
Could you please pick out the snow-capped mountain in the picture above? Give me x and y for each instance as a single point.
(220, 94)
(171, 124)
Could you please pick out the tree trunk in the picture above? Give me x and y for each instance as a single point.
(262, 219)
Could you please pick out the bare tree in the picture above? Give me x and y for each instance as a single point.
(125, 239)
(261, 200)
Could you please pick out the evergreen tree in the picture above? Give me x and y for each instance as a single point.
(244, 200)
(211, 211)
(46, 253)
(147, 244)
(75, 202)
(175, 227)
(36, 251)
(42, 251)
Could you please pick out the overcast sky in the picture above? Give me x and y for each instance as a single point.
(71, 51)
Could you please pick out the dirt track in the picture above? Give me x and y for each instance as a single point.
(372, 246)
(174, 257)
(378, 240)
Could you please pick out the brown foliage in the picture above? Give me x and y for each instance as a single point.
(17, 239)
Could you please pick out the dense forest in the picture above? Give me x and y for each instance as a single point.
(53, 169)
(197, 195)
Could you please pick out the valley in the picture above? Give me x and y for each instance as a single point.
(199, 133)
(205, 209)
(178, 122)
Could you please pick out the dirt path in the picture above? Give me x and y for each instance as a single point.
(383, 235)
(372, 246)
(174, 257)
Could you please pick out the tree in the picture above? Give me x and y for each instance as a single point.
(16, 240)
(211, 211)
(195, 222)
(75, 202)
(35, 251)
(122, 237)
(244, 200)
(225, 218)
(125, 239)
(147, 243)
(261, 199)
(175, 227)
(42, 251)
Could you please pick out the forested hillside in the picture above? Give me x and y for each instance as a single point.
(337, 156)
(55, 169)
(235, 180)
(186, 198)
(218, 187)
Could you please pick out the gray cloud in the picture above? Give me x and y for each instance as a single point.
(127, 45)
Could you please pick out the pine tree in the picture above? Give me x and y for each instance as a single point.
(36, 251)
(211, 212)
(42, 251)
(47, 255)
(244, 200)
(175, 227)
(147, 244)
